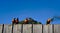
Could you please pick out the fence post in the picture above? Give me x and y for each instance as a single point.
(12, 27)
(32, 28)
(2, 28)
(22, 28)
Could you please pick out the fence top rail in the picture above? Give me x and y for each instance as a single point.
(30, 24)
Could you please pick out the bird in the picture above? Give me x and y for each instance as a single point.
(49, 20)
(13, 21)
(17, 21)
(26, 21)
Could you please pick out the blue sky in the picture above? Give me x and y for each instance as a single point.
(39, 10)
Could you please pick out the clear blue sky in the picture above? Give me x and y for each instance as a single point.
(39, 10)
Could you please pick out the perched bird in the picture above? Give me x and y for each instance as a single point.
(48, 21)
(26, 21)
(17, 21)
(13, 21)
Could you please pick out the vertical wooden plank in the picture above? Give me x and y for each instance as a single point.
(0, 28)
(37, 28)
(12, 28)
(56, 28)
(17, 28)
(7, 28)
(47, 29)
(27, 28)
(50, 29)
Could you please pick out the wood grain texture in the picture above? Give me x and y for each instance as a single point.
(56, 28)
(17, 28)
(27, 28)
(7, 28)
(37, 28)
(0, 28)
(47, 29)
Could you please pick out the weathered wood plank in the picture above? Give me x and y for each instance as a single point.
(50, 29)
(0, 28)
(17, 28)
(47, 29)
(37, 28)
(27, 28)
(56, 28)
(7, 28)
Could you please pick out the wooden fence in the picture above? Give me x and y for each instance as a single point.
(29, 28)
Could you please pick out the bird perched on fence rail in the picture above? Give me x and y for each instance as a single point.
(17, 21)
(26, 21)
(49, 20)
(13, 21)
